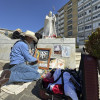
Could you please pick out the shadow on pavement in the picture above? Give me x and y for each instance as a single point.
(6, 66)
(36, 88)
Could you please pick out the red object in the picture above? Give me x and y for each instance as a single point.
(57, 89)
(54, 35)
(46, 81)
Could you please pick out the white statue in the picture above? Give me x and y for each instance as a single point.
(49, 26)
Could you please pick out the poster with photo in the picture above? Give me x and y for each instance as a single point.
(66, 51)
(57, 49)
(57, 63)
(44, 54)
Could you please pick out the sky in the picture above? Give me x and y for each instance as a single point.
(27, 14)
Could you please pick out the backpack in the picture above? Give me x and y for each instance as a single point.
(58, 89)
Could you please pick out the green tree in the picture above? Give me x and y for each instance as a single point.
(93, 44)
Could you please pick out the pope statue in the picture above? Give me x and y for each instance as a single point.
(49, 26)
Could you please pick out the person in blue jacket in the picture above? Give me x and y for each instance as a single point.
(20, 71)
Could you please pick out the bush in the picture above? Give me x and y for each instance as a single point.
(93, 44)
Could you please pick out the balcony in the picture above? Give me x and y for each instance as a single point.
(61, 17)
(60, 13)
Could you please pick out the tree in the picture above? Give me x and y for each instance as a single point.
(93, 44)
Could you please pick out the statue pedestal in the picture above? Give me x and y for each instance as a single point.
(66, 42)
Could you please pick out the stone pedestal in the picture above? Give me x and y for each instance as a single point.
(68, 42)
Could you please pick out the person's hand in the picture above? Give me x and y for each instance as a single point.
(32, 63)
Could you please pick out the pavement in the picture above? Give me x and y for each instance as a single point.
(30, 93)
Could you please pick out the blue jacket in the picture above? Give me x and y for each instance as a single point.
(20, 53)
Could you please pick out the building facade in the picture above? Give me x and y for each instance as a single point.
(70, 19)
(60, 22)
(67, 20)
(88, 18)
(56, 23)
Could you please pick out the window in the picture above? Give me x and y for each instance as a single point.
(88, 19)
(93, 1)
(89, 26)
(81, 28)
(69, 22)
(82, 14)
(70, 27)
(69, 11)
(85, 13)
(81, 22)
(96, 16)
(70, 33)
(80, 9)
(69, 6)
(69, 16)
(88, 4)
(89, 11)
(96, 7)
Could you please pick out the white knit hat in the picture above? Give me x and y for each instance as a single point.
(31, 34)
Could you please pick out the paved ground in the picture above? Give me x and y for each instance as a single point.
(30, 93)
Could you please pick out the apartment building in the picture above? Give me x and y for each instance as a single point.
(70, 19)
(88, 18)
(60, 22)
(67, 20)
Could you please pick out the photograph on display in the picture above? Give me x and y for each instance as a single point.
(44, 54)
(57, 63)
(43, 57)
(57, 49)
(66, 51)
